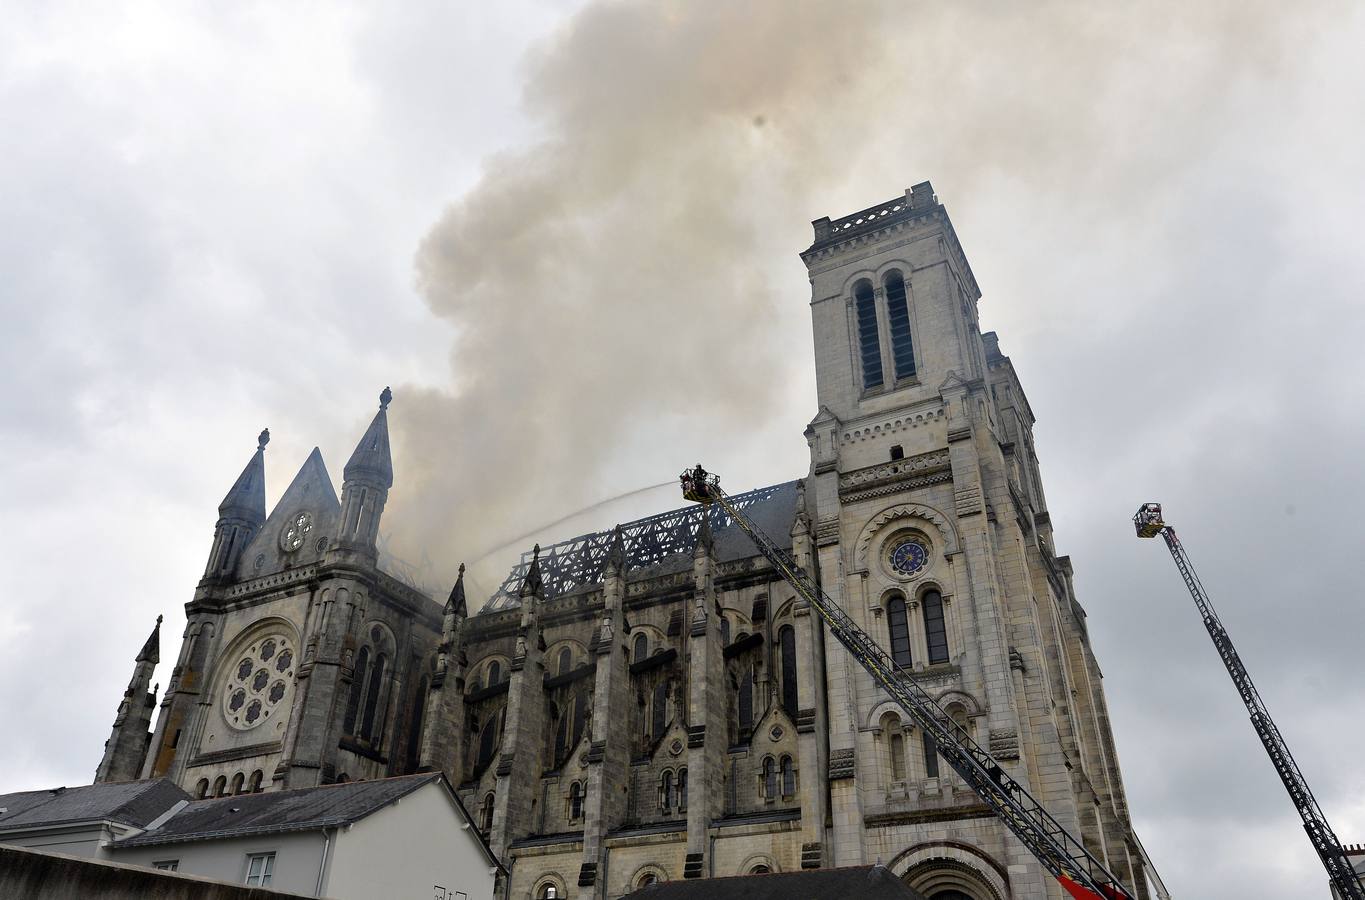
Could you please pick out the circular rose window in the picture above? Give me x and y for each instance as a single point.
(260, 683)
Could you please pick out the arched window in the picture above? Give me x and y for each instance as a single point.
(580, 720)
(898, 318)
(494, 673)
(486, 814)
(548, 892)
(646, 880)
(419, 708)
(660, 717)
(769, 779)
(641, 647)
(725, 632)
(565, 661)
(254, 785)
(666, 791)
(575, 802)
(895, 745)
(900, 631)
(682, 790)
(788, 777)
(367, 729)
(488, 740)
(362, 666)
(869, 346)
(219, 785)
(237, 781)
(935, 633)
(930, 756)
(746, 703)
(202, 790)
(786, 638)
(760, 869)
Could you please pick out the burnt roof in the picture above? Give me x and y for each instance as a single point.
(271, 812)
(134, 803)
(863, 882)
(661, 544)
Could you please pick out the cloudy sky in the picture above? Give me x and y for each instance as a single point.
(218, 218)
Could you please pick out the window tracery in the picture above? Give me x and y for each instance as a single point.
(261, 683)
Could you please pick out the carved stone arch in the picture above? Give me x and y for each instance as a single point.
(578, 654)
(739, 620)
(479, 669)
(942, 524)
(961, 698)
(659, 872)
(550, 879)
(873, 720)
(895, 265)
(234, 645)
(756, 860)
(869, 275)
(939, 865)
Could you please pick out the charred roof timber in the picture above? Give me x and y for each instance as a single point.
(664, 541)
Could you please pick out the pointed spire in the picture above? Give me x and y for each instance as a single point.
(705, 540)
(371, 459)
(616, 556)
(456, 603)
(151, 651)
(532, 583)
(246, 500)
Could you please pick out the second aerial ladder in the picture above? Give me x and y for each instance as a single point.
(1149, 524)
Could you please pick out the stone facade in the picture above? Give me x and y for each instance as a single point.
(654, 702)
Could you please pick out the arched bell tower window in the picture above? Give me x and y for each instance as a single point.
(641, 647)
(565, 661)
(494, 673)
(869, 342)
(935, 632)
(769, 779)
(899, 629)
(898, 318)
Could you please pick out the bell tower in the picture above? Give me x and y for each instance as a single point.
(930, 530)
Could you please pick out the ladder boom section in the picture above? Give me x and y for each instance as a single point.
(1080, 873)
(1320, 834)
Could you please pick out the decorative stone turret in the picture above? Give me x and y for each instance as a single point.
(127, 745)
(443, 733)
(608, 758)
(519, 759)
(240, 515)
(365, 487)
(706, 732)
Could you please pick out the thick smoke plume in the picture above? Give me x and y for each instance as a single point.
(625, 291)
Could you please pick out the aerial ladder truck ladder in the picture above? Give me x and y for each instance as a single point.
(1082, 875)
(1149, 524)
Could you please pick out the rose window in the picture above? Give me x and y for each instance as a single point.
(261, 683)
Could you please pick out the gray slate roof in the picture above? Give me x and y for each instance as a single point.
(305, 809)
(134, 803)
(862, 882)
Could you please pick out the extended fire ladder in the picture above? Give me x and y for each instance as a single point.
(1148, 523)
(1081, 874)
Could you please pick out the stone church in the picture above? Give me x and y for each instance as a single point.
(653, 702)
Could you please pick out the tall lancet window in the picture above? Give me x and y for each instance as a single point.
(898, 317)
(935, 632)
(900, 631)
(869, 343)
(787, 640)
